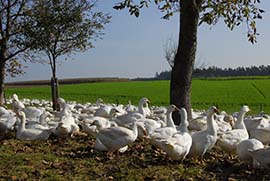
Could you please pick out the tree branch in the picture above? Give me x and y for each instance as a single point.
(8, 20)
(22, 4)
(16, 53)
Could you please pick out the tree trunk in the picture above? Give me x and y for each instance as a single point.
(54, 86)
(180, 92)
(2, 72)
(55, 95)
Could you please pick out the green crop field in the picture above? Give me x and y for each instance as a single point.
(228, 94)
(76, 159)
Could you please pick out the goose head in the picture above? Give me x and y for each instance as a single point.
(21, 115)
(240, 119)
(15, 97)
(144, 100)
(99, 101)
(113, 112)
(171, 108)
(17, 105)
(61, 102)
(63, 128)
(245, 109)
(212, 110)
(229, 119)
(139, 127)
(44, 116)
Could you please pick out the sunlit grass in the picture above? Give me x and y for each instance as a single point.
(75, 159)
(227, 94)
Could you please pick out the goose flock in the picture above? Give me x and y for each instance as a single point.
(115, 127)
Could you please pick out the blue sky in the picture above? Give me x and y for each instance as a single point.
(133, 47)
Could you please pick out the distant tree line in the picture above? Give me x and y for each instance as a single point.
(213, 71)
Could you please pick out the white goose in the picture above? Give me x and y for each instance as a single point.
(230, 139)
(67, 125)
(259, 128)
(244, 147)
(223, 122)
(100, 147)
(64, 108)
(41, 123)
(33, 113)
(256, 122)
(262, 134)
(203, 141)
(16, 104)
(92, 127)
(103, 110)
(23, 133)
(158, 137)
(7, 121)
(91, 108)
(130, 107)
(151, 125)
(260, 157)
(178, 146)
(114, 138)
(132, 117)
(198, 121)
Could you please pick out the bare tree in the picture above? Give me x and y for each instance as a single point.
(170, 49)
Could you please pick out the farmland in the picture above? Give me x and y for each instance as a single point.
(75, 158)
(228, 94)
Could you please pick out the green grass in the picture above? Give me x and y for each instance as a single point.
(75, 158)
(227, 94)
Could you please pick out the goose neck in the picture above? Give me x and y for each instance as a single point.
(184, 122)
(183, 126)
(112, 115)
(135, 130)
(65, 110)
(211, 127)
(42, 119)
(240, 121)
(169, 120)
(140, 109)
(23, 121)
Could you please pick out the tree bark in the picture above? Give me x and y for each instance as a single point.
(2, 72)
(55, 95)
(180, 90)
(54, 86)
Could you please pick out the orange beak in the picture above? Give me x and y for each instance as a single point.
(216, 110)
(177, 109)
(144, 132)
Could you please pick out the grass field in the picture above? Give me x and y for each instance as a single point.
(228, 94)
(75, 158)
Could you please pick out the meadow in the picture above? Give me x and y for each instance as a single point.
(226, 93)
(75, 158)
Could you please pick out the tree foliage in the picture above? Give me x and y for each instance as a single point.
(213, 71)
(64, 27)
(14, 20)
(232, 12)
(192, 14)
